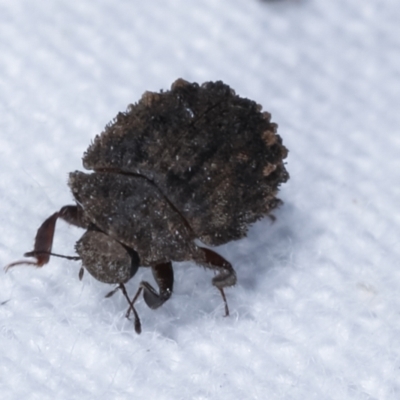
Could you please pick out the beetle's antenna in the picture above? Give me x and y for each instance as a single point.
(49, 253)
(35, 254)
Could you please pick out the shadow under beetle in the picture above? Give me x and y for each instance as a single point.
(194, 162)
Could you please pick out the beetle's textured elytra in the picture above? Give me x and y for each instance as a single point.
(194, 162)
(213, 154)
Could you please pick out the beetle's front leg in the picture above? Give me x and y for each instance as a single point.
(226, 275)
(45, 234)
(164, 277)
(138, 325)
(74, 215)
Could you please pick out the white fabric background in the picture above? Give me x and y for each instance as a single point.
(315, 314)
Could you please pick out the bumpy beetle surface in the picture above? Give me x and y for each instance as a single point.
(195, 162)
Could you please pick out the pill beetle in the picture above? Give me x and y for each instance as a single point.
(193, 164)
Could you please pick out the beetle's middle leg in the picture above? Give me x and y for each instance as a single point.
(164, 277)
(226, 275)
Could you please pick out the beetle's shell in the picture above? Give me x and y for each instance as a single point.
(131, 210)
(214, 156)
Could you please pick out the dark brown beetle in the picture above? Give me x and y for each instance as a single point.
(195, 162)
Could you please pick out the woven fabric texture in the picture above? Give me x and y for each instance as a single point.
(316, 310)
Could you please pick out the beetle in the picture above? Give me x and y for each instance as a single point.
(194, 164)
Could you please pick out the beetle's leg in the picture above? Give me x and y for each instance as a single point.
(43, 244)
(73, 215)
(164, 277)
(44, 237)
(138, 326)
(226, 275)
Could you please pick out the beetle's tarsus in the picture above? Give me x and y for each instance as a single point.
(225, 302)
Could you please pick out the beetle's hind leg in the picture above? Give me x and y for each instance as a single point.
(164, 277)
(226, 275)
